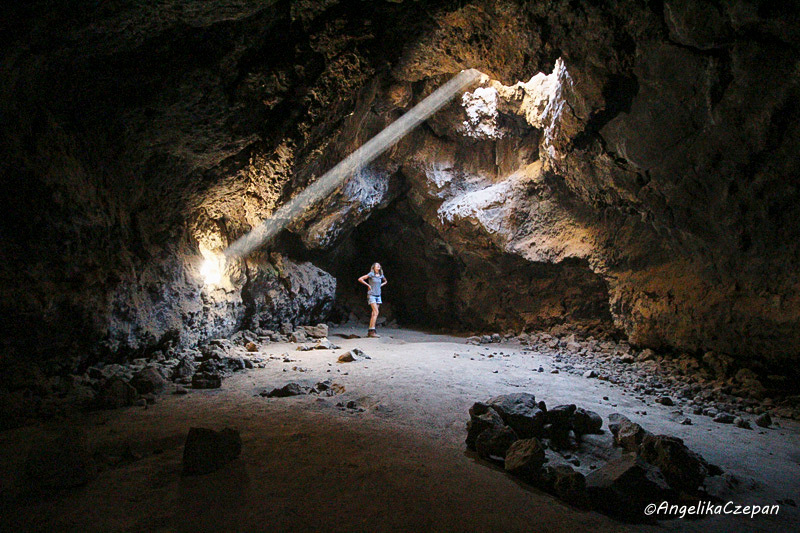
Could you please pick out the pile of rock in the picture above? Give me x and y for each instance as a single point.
(708, 385)
(562, 451)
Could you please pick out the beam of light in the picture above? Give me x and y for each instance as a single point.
(328, 183)
(212, 268)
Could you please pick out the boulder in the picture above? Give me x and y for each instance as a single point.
(207, 450)
(525, 458)
(116, 393)
(60, 463)
(148, 381)
(561, 415)
(521, 412)
(585, 422)
(493, 443)
(683, 469)
(251, 347)
(298, 336)
(627, 434)
(290, 389)
(566, 483)
(624, 486)
(184, 370)
(320, 331)
(482, 417)
(764, 420)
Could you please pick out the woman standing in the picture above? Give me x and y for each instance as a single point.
(374, 281)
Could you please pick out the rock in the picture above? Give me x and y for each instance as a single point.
(624, 486)
(521, 412)
(627, 434)
(493, 443)
(298, 336)
(626, 359)
(764, 420)
(646, 355)
(481, 417)
(180, 391)
(475, 340)
(353, 355)
(683, 469)
(325, 344)
(486, 339)
(290, 389)
(590, 374)
(724, 418)
(60, 463)
(568, 484)
(686, 422)
(286, 328)
(320, 331)
(525, 458)
(116, 393)
(561, 416)
(184, 370)
(206, 450)
(665, 400)
(203, 380)
(148, 380)
(251, 347)
(741, 423)
(585, 422)
(496, 337)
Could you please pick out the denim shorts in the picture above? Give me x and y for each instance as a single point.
(373, 299)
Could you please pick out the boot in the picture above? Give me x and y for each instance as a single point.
(372, 333)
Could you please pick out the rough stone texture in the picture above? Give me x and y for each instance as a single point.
(624, 486)
(682, 468)
(493, 443)
(521, 412)
(646, 181)
(525, 458)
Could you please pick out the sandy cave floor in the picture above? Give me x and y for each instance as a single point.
(398, 465)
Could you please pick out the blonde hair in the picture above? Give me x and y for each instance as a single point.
(372, 268)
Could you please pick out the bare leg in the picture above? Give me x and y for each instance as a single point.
(374, 316)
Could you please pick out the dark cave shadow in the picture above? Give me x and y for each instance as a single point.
(213, 502)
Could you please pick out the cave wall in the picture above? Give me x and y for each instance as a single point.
(654, 166)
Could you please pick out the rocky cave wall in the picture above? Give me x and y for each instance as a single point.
(646, 180)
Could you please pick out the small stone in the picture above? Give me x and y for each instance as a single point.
(541, 369)
(665, 400)
(179, 390)
(251, 347)
(686, 422)
(206, 381)
(590, 374)
(320, 331)
(494, 443)
(741, 423)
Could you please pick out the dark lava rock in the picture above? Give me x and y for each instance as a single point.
(290, 389)
(521, 412)
(627, 434)
(493, 443)
(566, 483)
(184, 370)
(665, 400)
(148, 380)
(525, 458)
(682, 468)
(116, 393)
(207, 450)
(585, 422)
(561, 415)
(482, 417)
(203, 380)
(764, 420)
(724, 418)
(624, 486)
(60, 463)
